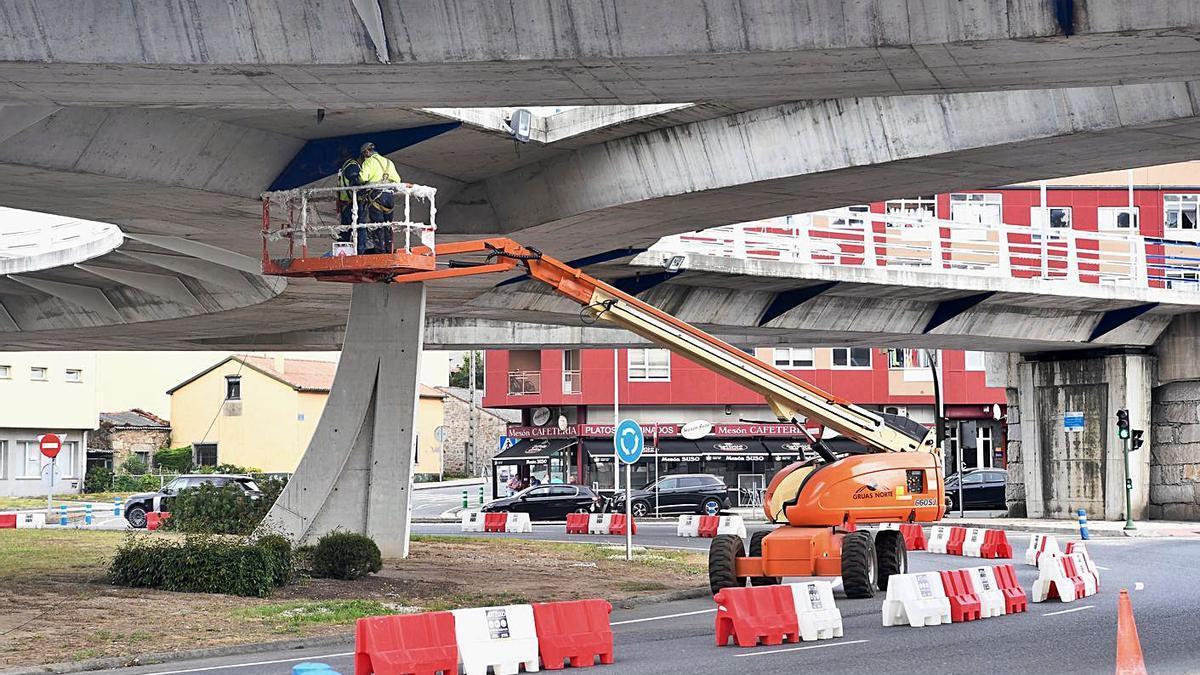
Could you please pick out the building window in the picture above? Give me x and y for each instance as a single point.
(983, 208)
(74, 375)
(901, 359)
(205, 454)
(1059, 217)
(233, 388)
(572, 372)
(973, 361)
(31, 464)
(985, 445)
(852, 222)
(793, 357)
(918, 207)
(1180, 213)
(38, 374)
(1183, 280)
(66, 460)
(143, 456)
(3, 460)
(1118, 218)
(5, 372)
(851, 357)
(649, 365)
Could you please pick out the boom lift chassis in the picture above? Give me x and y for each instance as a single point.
(818, 503)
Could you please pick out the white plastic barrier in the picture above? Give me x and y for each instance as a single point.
(974, 542)
(33, 520)
(1038, 545)
(689, 526)
(1052, 575)
(819, 618)
(1084, 566)
(916, 600)
(598, 523)
(991, 598)
(504, 638)
(732, 525)
(939, 536)
(1078, 547)
(472, 521)
(518, 522)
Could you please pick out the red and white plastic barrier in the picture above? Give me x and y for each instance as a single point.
(939, 537)
(31, 519)
(501, 638)
(974, 542)
(732, 525)
(154, 519)
(776, 614)
(617, 525)
(1066, 577)
(600, 523)
(577, 523)
(517, 522)
(8, 521)
(1040, 544)
(472, 521)
(933, 598)
(688, 526)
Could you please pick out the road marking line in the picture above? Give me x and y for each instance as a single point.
(1068, 611)
(1102, 567)
(669, 616)
(800, 649)
(256, 663)
(1138, 586)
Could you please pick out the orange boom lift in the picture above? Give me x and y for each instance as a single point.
(817, 503)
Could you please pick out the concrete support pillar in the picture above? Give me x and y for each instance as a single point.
(1061, 470)
(1174, 440)
(357, 472)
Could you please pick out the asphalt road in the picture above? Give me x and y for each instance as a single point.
(433, 502)
(1079, 637)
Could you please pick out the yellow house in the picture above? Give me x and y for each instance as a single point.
(260, 412)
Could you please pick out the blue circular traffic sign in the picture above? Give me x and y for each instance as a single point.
(628, 441)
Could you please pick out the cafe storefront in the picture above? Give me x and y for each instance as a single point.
(549, 460)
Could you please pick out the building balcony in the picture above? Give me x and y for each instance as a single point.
(524, 382)
(572, 382)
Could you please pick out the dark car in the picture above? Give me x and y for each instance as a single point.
(548, 502)
(982, 489)
(137, 506)
(686, 493)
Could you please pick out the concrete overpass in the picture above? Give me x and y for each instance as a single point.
(169, 123)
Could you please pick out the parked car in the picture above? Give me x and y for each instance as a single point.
(982, 489)
(137, 506)
(681, 493)
(548, 502)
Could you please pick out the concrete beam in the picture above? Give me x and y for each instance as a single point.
(357, 472)
(88, 298)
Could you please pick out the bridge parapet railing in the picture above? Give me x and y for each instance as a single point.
(846, 237)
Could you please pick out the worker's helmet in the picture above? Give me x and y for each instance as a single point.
(367, 148)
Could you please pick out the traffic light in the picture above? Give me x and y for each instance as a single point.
(945, 431)
(1135, 439)
(1122, 423)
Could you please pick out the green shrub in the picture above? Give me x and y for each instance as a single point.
(345, 555)
(222, 510)
(283, 569)
(98, 479)
(144, 483)
(197, 565)
(133, 465)
(178, 460)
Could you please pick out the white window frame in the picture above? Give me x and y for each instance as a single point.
(978, 199)
(232, 380)
(912, 207)
(1180, 203)
(907, 360)
(3, 459)
(1038, 215)
(793, 358)
(1108, 217)
(853, 223)
(849, 360)
(640, 368)
(974, 360)
(983, 457)
(74, 375)
(5, 372)
(31, 456)
(70, 467)
(1185, 280)
(33, 374)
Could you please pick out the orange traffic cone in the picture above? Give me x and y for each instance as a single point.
(1129, 648)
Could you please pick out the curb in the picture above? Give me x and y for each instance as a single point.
(1072, 531)
(458, 482)
(631, 603)
(112, 662)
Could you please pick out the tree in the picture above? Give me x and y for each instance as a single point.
(461, 376)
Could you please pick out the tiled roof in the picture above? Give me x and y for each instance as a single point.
(304, 374)
(133, 418)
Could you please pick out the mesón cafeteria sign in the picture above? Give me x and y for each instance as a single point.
(664, 431)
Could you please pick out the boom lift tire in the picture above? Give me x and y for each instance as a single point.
(756, 552)
(891, 555)
(859, 566)
(722, 560)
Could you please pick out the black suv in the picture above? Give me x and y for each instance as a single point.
(137, 506)
(548, 502)
(682, 493)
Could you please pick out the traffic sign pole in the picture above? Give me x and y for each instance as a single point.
(628, 515)
(628, 444)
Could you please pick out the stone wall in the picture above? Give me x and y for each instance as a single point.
(1014, 494)
(488, 430)
(125, 441)
(1174, 446)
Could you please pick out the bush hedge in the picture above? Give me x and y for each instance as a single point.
(128, 483)
(178, 460)
(202, 564)
(345, 555)
(228, 509)
(97, 479)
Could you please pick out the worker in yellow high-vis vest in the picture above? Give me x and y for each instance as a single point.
(380, 203)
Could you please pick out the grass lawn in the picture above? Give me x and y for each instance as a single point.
(441, 573)
(9, 503)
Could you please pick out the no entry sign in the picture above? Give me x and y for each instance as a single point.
(50, 444)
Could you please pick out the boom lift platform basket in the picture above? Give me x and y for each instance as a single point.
(303, 234)
(819, 503)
